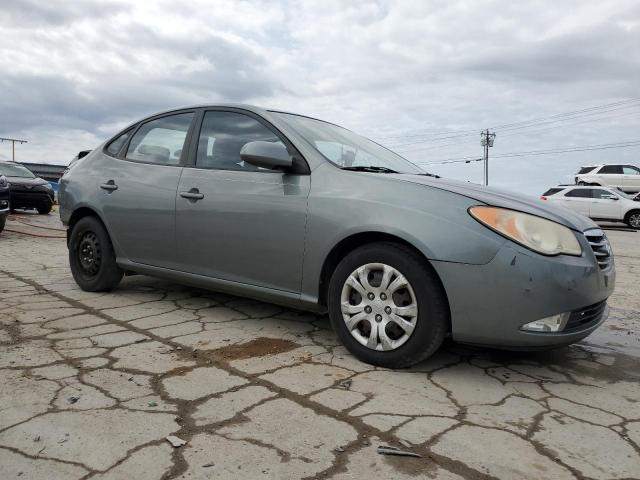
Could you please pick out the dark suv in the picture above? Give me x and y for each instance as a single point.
(4, 201)
(25, 189)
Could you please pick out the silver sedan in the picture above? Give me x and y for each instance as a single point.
(301, 212)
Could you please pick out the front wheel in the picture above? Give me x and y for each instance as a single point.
(91, 257)
(633, 219)
(387, 306)
(44, 209)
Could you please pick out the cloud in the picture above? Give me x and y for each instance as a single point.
(380, 67)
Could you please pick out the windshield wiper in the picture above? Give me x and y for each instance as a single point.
(369, 168)
(429, 175)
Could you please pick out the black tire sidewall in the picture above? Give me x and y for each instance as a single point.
(433, 313)
(633, 212)
(109, 274)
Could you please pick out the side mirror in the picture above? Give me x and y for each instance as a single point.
(271, 155)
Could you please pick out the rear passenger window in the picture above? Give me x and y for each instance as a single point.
(611, 169)
(579, 193)
(161, 140)
(114, 147)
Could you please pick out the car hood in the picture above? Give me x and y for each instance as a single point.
(506, 199)
(33, 182)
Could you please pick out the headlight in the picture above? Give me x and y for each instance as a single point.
(538, 234)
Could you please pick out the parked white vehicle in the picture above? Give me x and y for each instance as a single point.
(598, 203)
(624, 177)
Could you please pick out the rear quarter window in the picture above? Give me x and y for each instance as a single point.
(552, 191)
(584, 170)
(116, 144)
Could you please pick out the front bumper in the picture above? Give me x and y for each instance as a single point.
(30, 198)
(490, 303)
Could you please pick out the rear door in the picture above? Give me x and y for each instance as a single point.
(235, 221)
(610, 175)
(137, 188)
(605, 204)
(631, 178)
(579, 200)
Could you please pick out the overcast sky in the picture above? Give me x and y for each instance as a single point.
(401, 72)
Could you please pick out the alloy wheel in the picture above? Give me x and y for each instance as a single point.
(379, 306)
(634, 220)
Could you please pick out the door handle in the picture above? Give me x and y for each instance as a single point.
(193, 194)
(110, 186)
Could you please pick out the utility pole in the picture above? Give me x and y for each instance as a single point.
(486, 140)
(13, 145)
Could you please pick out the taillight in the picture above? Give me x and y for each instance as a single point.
(543, 197)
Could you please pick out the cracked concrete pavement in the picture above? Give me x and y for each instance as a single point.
(92, 383)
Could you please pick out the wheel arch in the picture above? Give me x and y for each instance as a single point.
(629, 213)
(350, 243)
(83, 212)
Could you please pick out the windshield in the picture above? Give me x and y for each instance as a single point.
(15, 171)
(345, 148)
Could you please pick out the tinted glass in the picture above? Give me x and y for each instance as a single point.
(629, 170)
(611, 169)
(114, 147)
(579, 193)
(13, 170)
(222, 136)
(601, 194)
(586, 170)
(552, 191)
(345, 148)
(160, 141)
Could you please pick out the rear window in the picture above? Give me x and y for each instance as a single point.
(552, 191)
(586, 170)
(611, 169)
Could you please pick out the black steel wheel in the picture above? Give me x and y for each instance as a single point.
(91, 256)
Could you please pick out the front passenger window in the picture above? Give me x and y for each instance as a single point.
(161, 140)
(222, 136)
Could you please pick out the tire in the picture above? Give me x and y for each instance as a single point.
(430, 323)
(3, 221)
(582, 184)
(44, 209)
(633, 219)
(97, 270)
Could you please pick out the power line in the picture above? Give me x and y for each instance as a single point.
(604, 146)
(559, 117)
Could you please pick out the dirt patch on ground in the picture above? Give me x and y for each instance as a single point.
(255, 348)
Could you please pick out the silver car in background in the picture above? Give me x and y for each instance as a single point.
(301, 212)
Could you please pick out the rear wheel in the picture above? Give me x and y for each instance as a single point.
(3, 220)
(582, 184)
(387, 306)
(91, 256)
(633, 219)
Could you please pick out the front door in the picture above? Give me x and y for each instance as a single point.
(137, 190)
(605, 204)
(235, 221)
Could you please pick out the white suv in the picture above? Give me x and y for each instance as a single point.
(598, 203)
(624, 177)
